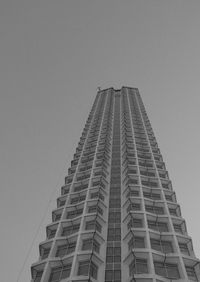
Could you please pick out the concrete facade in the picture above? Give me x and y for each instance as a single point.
(117, 219)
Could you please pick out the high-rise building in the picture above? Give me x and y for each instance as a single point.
(117, 219)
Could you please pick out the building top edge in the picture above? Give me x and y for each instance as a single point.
(111, 88)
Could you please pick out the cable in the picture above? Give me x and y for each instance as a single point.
(40, 224)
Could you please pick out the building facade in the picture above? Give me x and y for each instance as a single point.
(117, 219)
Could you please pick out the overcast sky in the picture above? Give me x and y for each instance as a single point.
(53, 56)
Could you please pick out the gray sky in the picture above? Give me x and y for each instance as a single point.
(53, 56)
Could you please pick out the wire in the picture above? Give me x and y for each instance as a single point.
(40, 224)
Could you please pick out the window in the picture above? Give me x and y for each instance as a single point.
(80, 187)
(59, 273)
(191, 273)
(45, 253)
(84, 168)
(152, 196)
(57, 217)
(61, 203)
(136, 242)
(70, 229)
(133, 207)
(158, 226)
(98, 183)
(51, 233)
(138, 266)
(65, 249)
(75, 213)
(162, 246)
(169, 198)
(90, 225)
(114, 234)
(165, 185)
(114, 202)
(178, 228)
(97, 195)
(133, 193)
(135, 223)
(132, 181)
(183, 248)
(114, 217)
(86, 267)
(65, 191)
(38, 276)
(148, 173)
(113, 255)
(77, 199)
(167, 270)
(113, 275)
(154, 209)
(82, 177)
(95, 209)
(90, 244)
(172, 211)
(150, 184)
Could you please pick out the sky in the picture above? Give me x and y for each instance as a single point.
(53, 56)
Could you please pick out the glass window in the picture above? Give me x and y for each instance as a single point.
(135, 223)
(114, 217)
(150, 184)
(167, 270)
(87, 267)
(78, 199)
(153, 196)
(169, 198)
(113, 275)
(65, 249)
(74, 213)
(61, 203)
(184, 248)
(57, 217)
(133, 193)
(138, 266)
(133, 207)
(70, 229)
(136, 242)
(45, 253)
(38, 276)
(158, 226)
(80, 187)
(165, 185)
(90, 244)
(97, 195)
(90, 225)
(191, 273)
(59, 273)
(115, 203)
(162, 246)
(113, 255)
(65, 191)
(154, 209)
(51, 233)
(114, 234)
(172, 211)
(178, 228)
(95, 209)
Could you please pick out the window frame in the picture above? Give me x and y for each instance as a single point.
(86, 268)
(61, 271)
(165, 269)
(66, 248)
(136, 264)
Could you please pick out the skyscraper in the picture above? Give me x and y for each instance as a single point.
(117, 219)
